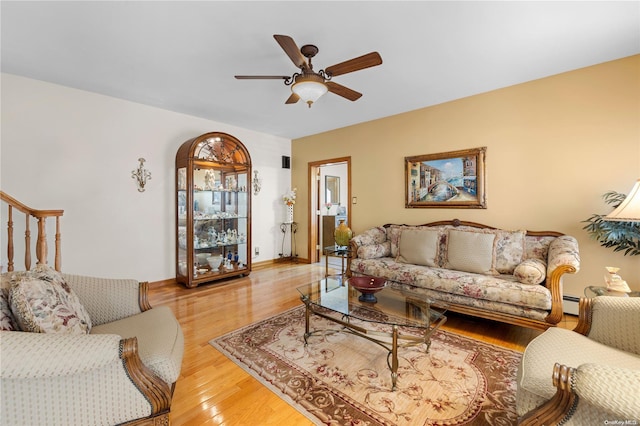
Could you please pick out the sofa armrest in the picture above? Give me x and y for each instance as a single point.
(374, 243)
(563, 253)
(372, 236)
(45, 355)
(370, 244)
(109, 299)
(563, 258)
(81, 377)
(610, 389)
(603, 387)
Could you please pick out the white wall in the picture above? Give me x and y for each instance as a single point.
(68, 149)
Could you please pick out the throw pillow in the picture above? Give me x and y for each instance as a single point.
(509, 248)
(418, 247)
(537, 247)
(470, 251)
(374, 251)
(46, 273)
(7, 320)
(531, 271)
(44, 303)
(393, 236)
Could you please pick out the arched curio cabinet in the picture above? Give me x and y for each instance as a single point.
(213, 209)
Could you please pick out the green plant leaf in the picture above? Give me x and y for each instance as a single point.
(621, 236)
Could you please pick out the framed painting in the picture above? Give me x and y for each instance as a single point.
(453, 179)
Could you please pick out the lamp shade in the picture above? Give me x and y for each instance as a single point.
(629, 209)
(308, 90)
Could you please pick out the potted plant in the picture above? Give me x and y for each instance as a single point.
(619, 235)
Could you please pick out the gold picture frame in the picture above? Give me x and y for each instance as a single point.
(453, 179)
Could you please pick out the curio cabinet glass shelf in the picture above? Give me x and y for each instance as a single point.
(213, 209)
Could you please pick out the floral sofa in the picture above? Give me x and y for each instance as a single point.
(509, 276)
(84, 351)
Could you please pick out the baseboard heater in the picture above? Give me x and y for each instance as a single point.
(570, 304)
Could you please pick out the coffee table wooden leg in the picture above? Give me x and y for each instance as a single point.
(394, 358)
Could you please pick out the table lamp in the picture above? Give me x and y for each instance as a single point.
(629, 209)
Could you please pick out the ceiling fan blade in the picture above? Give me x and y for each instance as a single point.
(261, 77)
(356, 64)
(343, 91)
(291, 49)
(292, 99)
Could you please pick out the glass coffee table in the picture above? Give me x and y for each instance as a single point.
(594, 290)
(397, 310)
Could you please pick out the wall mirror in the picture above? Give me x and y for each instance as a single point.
(332, 189)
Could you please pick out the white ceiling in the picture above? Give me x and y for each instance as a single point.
(182, 56)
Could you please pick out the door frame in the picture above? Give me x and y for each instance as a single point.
(314, 253)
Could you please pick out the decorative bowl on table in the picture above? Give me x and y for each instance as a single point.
(368, 286)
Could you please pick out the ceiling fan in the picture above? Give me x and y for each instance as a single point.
(308, 84)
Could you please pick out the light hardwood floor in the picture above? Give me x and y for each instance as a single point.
(212, 390)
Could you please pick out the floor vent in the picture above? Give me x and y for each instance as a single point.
(570, 304)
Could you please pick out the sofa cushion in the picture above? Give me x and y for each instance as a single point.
(471, 251)
(160, 339)
(531, 271)
(44, 303)
(419, 247)
(464, 287)
(509, 247)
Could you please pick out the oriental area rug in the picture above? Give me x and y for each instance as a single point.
(343, 379)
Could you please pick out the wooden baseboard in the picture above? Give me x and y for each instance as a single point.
(264, 264)
(254, 266)
(162, 282)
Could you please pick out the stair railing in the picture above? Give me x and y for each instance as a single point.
(40, 217)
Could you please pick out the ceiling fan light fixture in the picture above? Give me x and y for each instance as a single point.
(309, 90)
(308, 85)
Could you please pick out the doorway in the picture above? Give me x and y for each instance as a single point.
(330, 189)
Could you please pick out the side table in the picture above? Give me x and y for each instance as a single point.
(595, 290)
(290, 228)
(336, 251)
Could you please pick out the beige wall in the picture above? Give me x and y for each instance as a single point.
(554, 146)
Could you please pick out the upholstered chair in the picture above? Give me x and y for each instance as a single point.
(121, 370)
(589, 375)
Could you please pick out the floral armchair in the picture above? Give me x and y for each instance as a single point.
(85, 350)
(586, 376)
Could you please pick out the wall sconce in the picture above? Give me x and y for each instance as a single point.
(141, 175)
(257, 183)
